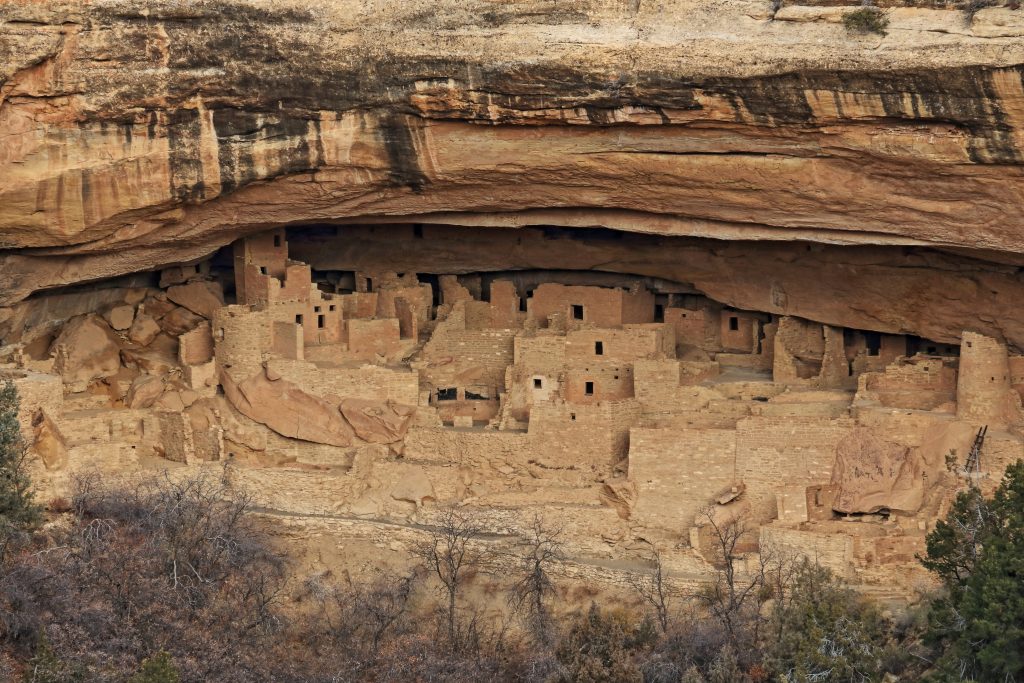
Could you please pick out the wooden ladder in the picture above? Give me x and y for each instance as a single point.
(973, 464)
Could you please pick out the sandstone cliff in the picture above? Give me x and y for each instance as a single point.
(142, 135)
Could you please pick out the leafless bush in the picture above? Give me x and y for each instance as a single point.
(539, 548)
(450, 555)
(653, 590)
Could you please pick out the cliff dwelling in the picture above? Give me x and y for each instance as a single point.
(626, 266)
(372, 371)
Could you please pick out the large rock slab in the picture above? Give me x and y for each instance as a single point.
(86, 350)
(376, 421)
(288, 410)
(201, 297)
(874, 474)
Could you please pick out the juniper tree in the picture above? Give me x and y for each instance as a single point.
(18, 510)
(977, 552)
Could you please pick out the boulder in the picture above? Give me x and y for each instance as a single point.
(874, 474)
(49, 444)
(85, 350)
(202, 297)
(121, 317)
(288, 410)
(145, 390)
(376, 421)
(144, 330)
(180, 320)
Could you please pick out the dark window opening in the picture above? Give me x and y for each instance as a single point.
(932, 349)
(538, 383)
(734, 323)
(873, 340)
(474, 396)
(331, 307)
(298, 319)
(435, 286)
(616, 376)
(599, 348)
(577, 312)
(320, 321)
(572, 416)
(659, 313)
(369, 284)
(277, 240)
(417, 231)
(316, 309)
(450, 394)
(263, 270)
(589, 389)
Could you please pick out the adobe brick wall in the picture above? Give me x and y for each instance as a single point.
(677, 471)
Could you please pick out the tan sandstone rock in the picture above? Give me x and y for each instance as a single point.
(144, 330)
(144, 391)
(121, 317)
(376, 422)
(288, 410)
(874, 474)
(201, 297)
(86, 350)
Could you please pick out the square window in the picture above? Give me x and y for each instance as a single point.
(589, 389)
(331, 307)
(734, 323)
(538, 383)
(263, 270)
(298, 319)
(316, 309)
(599, 348)
(577, 312)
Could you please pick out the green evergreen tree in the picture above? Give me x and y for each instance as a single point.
(977, 626)
(18, 510)
(46, 667)
(157, 669)
(825, 631)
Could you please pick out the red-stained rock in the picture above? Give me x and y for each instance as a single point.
(874, 474)
(375, 421)
(288, 410)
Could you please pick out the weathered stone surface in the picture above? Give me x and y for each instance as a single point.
(144, 330)
(874, 474)
(771, 129)
(288, 410)
(179, 320)
(201, 297)
(376, 422)
(49, 443)
(86, 350)
(145, 390)
(121, 317)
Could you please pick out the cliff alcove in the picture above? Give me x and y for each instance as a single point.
(613, 261)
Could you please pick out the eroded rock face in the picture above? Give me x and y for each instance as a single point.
(86, 350)
(874, 474)
(681, 117)
(288, 410)
(376, 422)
